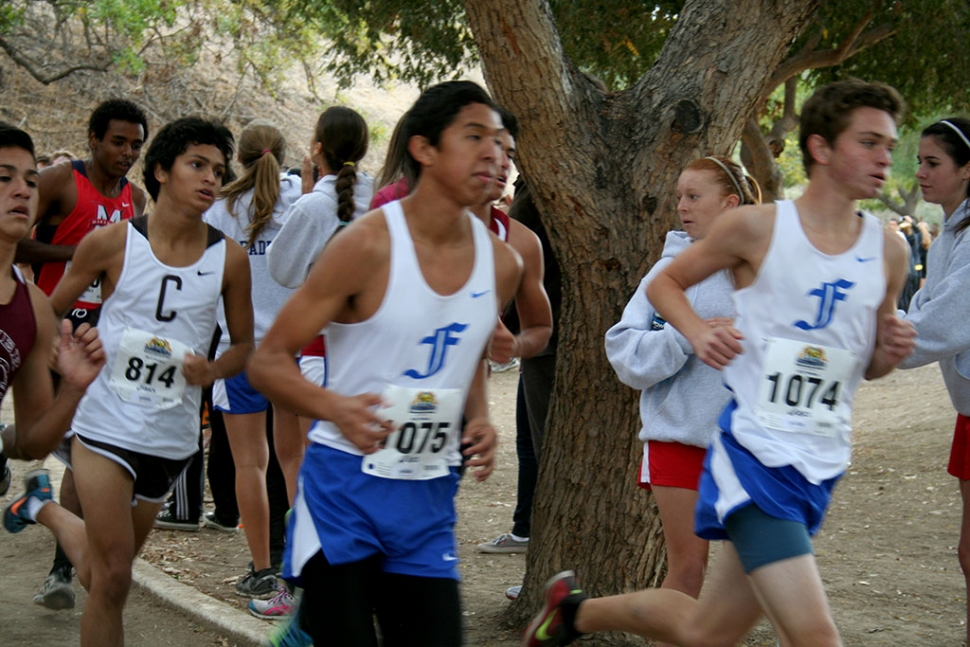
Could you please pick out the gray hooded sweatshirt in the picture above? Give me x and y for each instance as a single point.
(941, 309)
(682, 397)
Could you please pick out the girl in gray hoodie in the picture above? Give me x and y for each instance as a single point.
(682, 396)
(941, 309)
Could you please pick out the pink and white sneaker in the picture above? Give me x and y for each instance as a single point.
(281, 605)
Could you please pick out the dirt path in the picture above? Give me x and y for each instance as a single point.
(887, 552)
(24, 561)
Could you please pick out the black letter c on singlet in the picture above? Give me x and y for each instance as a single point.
(161, 297)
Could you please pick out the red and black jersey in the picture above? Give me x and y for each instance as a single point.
(92, 210)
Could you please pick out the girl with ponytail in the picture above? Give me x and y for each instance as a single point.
(342, 193)
(249, 211)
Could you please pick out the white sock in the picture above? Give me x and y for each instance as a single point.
(517, 538)
(34, 505)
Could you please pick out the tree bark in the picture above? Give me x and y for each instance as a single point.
(759, 151)
(603, 168)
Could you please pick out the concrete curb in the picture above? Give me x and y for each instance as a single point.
(240, 626)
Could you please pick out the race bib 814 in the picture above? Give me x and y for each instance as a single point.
(148, 370)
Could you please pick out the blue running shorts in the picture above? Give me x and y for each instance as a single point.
(352, 516)
(236, 395)
(733, 477)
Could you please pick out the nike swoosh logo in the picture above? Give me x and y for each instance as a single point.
(449, 558)
(543, 632)
(125, 205)
(865, 260)
(201, 273)
(475, 295)
(15, 508)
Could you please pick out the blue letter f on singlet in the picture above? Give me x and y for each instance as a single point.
(830, 294)
(439, 342)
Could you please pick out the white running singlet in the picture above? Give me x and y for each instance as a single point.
(809, 326)
(420, 349)
(155, 315)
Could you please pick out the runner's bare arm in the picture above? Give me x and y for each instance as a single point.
(729, 245)
(42, 419)
(100, 254)
(353, 265)
(508, 272)
(57, 196)
(237, 297)
(139, 198)
(895, 337)
(531, 303)
(479, 434)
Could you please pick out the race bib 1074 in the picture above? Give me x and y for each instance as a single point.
(802, 387)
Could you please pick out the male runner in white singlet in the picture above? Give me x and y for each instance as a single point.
(28, 327)
(409, 296)
(137, 427)
(817, 283)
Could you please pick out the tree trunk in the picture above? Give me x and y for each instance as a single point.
(759, 151)
(603, 168)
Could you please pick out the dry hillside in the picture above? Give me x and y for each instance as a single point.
(56, 115)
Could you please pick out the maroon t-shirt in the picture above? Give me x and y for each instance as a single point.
(18, 332)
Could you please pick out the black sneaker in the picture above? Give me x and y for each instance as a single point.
(168, 521)
(211, 520)
(261, 585)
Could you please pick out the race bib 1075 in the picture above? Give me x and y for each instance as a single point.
(427, 420)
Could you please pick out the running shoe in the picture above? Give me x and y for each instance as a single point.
(505, 366)
(504, 543)
(513, 592)
(280, 606)
(210, 520)
(57, 592)
(168, 521)
(16, 516)
(261, 585)
(554, 624)
(290, 634)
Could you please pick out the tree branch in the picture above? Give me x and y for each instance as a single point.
(853, 43)
(37, 72)
(892, 205)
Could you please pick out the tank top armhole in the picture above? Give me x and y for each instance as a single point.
(400, 236)
(214, 236)
(140, 224)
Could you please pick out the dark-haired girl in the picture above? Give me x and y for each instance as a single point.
(940, 310)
